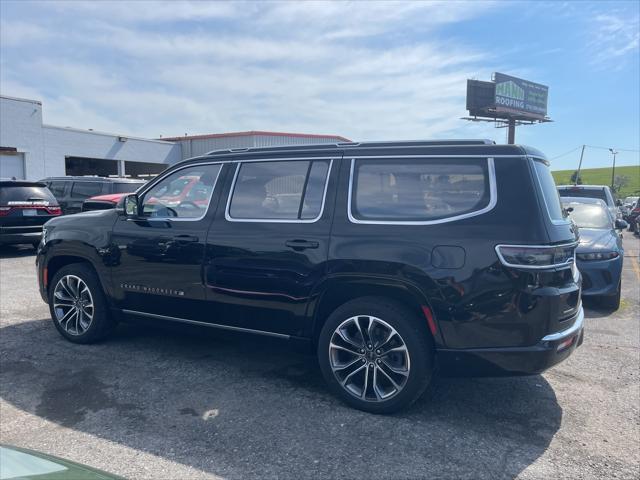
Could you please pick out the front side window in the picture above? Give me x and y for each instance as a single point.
(549, 191)
(279, 190)
(183, 194)
(421, 190)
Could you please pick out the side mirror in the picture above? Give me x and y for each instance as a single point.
(131, 205)
(621, 224)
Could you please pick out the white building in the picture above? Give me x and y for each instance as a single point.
(31, 150)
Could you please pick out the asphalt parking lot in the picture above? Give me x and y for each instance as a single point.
(167, 403)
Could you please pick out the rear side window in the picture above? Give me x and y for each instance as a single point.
(584, 193)
(57, 188)
(26, 194)
(279, 191)
(422, 190)
(549, 191)
(86, 189)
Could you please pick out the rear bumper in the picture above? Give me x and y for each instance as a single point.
(551, 350)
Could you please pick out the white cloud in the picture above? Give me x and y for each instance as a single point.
(341, 68)
(616, 40)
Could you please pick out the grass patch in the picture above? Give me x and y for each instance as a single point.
(602, 176)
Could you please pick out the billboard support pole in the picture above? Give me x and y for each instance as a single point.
(512, 132)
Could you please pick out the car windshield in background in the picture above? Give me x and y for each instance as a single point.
(587, 215)
(126, 187)
(584, 193)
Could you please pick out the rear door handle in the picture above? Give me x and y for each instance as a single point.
(301, 244)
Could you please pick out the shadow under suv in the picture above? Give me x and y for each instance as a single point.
(393, 260)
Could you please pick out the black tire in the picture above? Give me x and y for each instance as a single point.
(102, 324)
(612, 302)
(412, 332)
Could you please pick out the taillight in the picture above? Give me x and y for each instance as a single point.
(536, 256)
(4, 211)
(54, 210)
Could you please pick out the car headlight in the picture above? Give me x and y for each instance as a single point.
(597, 255)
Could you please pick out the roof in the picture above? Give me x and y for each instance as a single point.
(255, 132)
(95, 178)
(583, 200)
(19, 183)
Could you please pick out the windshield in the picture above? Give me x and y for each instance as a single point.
(587, 215)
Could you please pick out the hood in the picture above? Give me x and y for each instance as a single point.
(596, 239)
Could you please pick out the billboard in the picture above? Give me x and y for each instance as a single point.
(520, 97)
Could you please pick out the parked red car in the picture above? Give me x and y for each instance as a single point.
(102, 202)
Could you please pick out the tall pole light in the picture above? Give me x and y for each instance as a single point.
(614, 152)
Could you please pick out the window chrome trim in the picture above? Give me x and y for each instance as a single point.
(178, 219)
(493, 193)
(568, 263)
(206, 324)
(229, 218)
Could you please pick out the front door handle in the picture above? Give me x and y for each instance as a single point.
(185, 239)
(299, 245)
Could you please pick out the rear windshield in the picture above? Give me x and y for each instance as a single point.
(419, 190)
(549, 191)
(26, 194)
(584, 193)
(126, 187)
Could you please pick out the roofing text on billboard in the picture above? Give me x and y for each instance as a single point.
(516, 95)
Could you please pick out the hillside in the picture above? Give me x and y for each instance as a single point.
(602, 176)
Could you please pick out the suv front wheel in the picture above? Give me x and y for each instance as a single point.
(375, 355)
(78, 306)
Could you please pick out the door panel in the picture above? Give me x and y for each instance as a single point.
(268, 248)
(159, 269)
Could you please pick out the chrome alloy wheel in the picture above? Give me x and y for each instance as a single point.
(73, 305)
(369, 358)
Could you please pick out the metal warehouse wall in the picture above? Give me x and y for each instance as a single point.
(61, 142)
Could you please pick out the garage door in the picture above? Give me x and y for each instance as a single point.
(12, 165)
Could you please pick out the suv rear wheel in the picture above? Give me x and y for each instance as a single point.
(77, 304)
(374, 355)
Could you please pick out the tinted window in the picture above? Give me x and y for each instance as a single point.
(86, 189)
(10, 195)
(584, 193)
(183, 194)
(126, 187)
(418, 190)
(57, 188)
(291, 190)
(549, 190)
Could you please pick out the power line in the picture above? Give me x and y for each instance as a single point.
(618, 149)
(566, 153)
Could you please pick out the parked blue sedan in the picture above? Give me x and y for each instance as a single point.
(600, 254)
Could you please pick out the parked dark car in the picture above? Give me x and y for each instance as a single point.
(71, 192)
(600, 253)
(632, 218)
(24, 207)
(391, 259)
(102, 202)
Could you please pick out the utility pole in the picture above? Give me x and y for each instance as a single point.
(614, 152)
(580, 165)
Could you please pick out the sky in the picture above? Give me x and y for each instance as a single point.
(363, 70)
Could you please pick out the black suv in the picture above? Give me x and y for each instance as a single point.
(71, 192)
(392, 259)
(24, 209)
